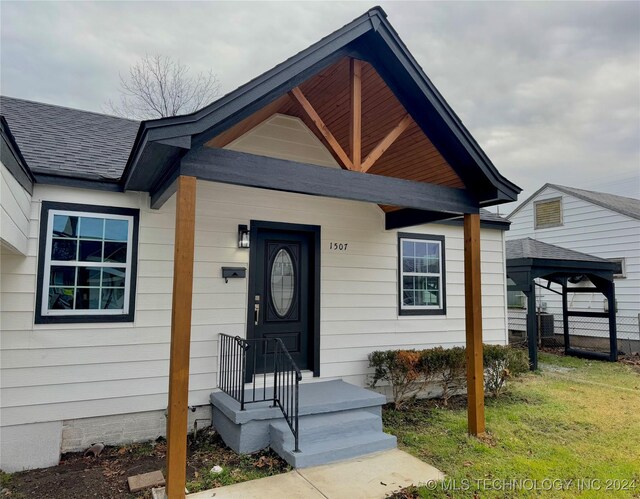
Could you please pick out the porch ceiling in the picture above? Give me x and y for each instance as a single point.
(412, 156)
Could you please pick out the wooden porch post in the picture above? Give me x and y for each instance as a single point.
(473, 319)
(180, 337)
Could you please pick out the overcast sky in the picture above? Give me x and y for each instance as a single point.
(551, 91)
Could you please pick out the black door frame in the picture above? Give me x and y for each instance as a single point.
(314, 257)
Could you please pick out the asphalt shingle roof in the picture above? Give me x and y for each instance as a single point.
(57, 140)
(530, 248)
(490, 216)
(621, 204)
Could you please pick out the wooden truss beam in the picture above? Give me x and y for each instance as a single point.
(240, 168)
(473, 320)
(353, 161)
(385, 143)
(297, 95)
(180, 337)
(355, 135)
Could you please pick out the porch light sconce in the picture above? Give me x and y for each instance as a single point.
(243, 236)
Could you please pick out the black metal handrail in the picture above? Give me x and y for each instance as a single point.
(272, 373)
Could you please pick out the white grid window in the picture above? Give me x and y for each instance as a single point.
(421, 274)
(87, 266)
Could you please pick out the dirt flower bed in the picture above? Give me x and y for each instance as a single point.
(106, 476)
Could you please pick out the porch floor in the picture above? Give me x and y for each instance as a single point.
(315, 398)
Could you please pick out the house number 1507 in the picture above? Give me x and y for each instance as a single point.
(338, 246)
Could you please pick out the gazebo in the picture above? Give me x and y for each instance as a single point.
(528, 260)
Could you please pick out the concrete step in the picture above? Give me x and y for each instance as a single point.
(315, 398)
(336, 449)
(321, 427)
(331, 413)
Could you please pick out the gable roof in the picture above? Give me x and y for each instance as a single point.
(620, 204)
(81, 148)
(370, 37)
(64, 142)
(527, 248)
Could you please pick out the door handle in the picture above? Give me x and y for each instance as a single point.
(256, 314)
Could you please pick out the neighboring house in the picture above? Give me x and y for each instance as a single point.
(596, 223)
(87, 273)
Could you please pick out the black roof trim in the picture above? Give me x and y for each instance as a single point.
(12, 158)
(279, 75)
(79, 183)
(356, 39)
(488, 220)
(454, 122)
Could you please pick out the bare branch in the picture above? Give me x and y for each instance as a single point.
(158, 86)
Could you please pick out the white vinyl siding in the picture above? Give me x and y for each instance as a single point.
(284, 137)
(15, 206)
(54, 371)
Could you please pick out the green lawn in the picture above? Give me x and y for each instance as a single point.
(576, 420)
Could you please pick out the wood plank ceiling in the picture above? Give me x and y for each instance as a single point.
(330, 103)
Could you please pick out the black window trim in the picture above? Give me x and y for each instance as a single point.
(427, 237)
(42, 243)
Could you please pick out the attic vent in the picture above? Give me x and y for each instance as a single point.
(548, 213)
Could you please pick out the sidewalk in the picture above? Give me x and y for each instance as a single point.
(368, 477)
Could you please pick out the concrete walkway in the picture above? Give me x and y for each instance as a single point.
(367, 477)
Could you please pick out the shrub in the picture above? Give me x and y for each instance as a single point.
(401, 369)
(501, 363)
(449, 365)
(408, 372)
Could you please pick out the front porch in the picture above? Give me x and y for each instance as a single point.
(390, 144)
(337, 421)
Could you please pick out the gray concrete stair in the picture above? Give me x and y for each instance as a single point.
(331, 437)
(322, 426)
(338, 421)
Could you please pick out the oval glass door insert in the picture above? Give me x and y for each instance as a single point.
(282, 282)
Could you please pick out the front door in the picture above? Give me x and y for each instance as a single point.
(281, 294)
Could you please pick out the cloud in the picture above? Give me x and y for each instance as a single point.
(551, 90)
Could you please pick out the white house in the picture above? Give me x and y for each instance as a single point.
(596, 223)
(337, 253)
